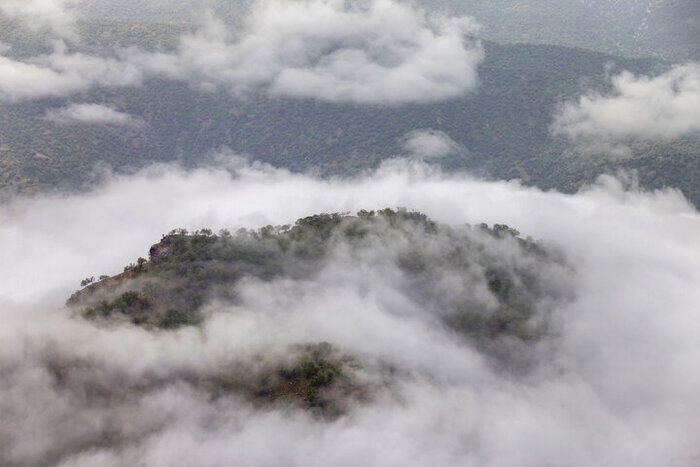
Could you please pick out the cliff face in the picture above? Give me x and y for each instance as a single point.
(161, 249)
(156, 253)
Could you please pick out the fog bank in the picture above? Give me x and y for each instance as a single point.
(617, 382)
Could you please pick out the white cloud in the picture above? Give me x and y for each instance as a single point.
(639, 107)
(376, 51)
(617, 385)
(62, 74)
(19, 80)
(431, 144)
(90, 114)
(37, 14)
(384, 52)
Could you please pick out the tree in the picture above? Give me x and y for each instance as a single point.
(87, 280)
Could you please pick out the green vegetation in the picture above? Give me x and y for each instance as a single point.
(484, 283)
(127, 303)
(495, 293)
(315, 377)
(86, 281)
(315, 369)
(174, 319)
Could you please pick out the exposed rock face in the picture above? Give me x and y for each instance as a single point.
(161, 249)
(156, 253)
(84, 294)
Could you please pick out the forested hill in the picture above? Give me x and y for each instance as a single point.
(487, 286)
(503, 128)
(503, 278)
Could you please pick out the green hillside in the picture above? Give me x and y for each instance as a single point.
(185, 271)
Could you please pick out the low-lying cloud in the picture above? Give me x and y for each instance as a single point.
(62, 73)
(377, 52)
(431, 144)
(94, 114)
(639, 108)
(54, 15)
(616, 383)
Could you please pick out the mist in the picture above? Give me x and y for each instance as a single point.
(396, 314)
(431, 145)
(375, 52)
(90, 114)
(643, 108)
(54, 15)
(615, 382)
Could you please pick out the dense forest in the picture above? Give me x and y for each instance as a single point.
(186, 270)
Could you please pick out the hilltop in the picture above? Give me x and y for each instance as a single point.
(487, 284)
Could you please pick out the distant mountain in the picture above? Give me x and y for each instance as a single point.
(668, 29)
(503, 128)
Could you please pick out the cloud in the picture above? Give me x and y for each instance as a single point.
(373, 52)
(90, 114)
(639, 107)
(431, 144)
(617, 383)
(38, 14)
(378, 51)
(20, 81)
(61, 74)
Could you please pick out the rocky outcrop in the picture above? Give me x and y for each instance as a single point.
(156, 253)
